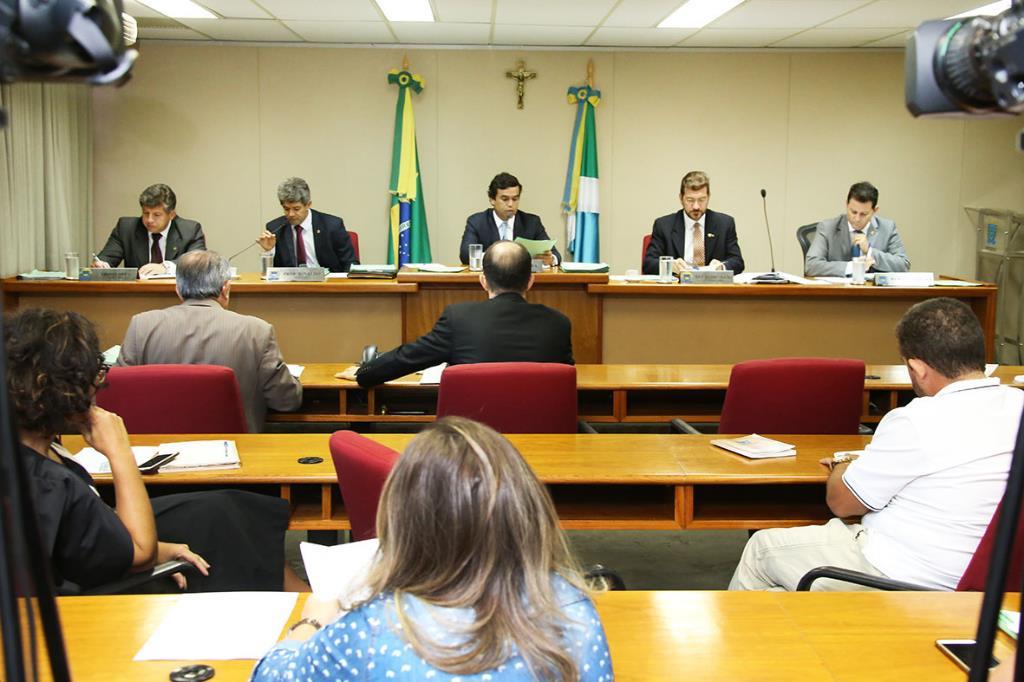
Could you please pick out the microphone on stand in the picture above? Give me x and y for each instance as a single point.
(276, 232)
(769, 277)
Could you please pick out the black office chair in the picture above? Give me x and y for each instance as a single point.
(804, 235)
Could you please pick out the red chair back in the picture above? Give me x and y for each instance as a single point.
(973, 579)
(354, 237)
(643, 254)
(175, 399)
(794, 395)
(511, 397)
(362, 467)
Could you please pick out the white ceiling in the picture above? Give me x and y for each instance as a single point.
(563, 23)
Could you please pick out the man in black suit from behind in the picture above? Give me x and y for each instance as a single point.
(694, 236)
(504, 328)
(152, 243)
(304, 237)
(504, 220)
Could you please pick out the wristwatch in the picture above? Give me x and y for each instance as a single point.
(305, 621)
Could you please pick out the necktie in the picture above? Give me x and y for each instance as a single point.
(506, 233)
(698, 246)
(155, 256)
(855, 251)
(300, 246)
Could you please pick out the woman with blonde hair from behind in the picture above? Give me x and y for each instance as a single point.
(473, 579)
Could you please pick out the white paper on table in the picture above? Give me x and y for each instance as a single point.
(990, 368)
(95, 463)
(159, 275)
(436, 267)
(337, 275)
(634, 278)
(219, 626)
(338, 571)
(432, 375)
(296, 370)
(955, 283)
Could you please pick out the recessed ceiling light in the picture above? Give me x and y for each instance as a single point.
(406, 10)
(179, 9)
(990, 9)
(698, 13)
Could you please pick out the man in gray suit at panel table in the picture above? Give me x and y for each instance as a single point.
(858, 233)
(153, 242)
(201, 331)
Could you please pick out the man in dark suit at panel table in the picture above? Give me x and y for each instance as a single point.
(694, 236)
(153, 242)
(504, 328)
(304, 237)
(504, 221)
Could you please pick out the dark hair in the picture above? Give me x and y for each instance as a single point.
(53, 360)
(945, 334)
(503, 181)
(864, 192)
(158, 195)
(507, 267)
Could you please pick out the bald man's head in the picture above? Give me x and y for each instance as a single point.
(507, 267)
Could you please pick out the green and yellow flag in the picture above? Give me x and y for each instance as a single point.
(408, 240)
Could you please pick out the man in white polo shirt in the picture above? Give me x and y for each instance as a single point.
(927, 484)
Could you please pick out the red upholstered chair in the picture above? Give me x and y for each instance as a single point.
(175, 399)
(354, 237)
(973, 579)
(512, 397)
(362, 466)
(792, 395)
(643, 254)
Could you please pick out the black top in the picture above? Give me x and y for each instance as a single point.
(505, 328)
(86, 541)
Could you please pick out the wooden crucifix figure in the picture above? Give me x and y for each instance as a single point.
(521, 75)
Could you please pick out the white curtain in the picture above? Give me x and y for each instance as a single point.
(45, 176)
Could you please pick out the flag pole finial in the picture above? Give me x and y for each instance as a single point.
(405, 62)
(590, 73)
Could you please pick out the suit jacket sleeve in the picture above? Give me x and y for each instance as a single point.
(281, 390)
(733, 256)
(659, 246)
(431, 349)
(817, 264)
(469, 236)
(892, 257)
(131, 346)
(341, 245)
(196, 243)
(113, 251)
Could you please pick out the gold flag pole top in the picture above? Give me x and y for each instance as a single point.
(590, 73)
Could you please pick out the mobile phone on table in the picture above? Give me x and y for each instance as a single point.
(961, 652)
(153, 464)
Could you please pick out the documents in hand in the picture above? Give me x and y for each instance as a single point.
(195, 629)
(338, 571)
(536, 246)
(756, 447)
(195, 455)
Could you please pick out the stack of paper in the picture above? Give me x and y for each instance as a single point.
(435, 267)
(1009, 622)
(756, 447)
(193, 455)
(584, 267)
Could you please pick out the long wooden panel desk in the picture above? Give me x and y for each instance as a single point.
(847, 637)
(606, 394)
(603, 481)
(612, 322)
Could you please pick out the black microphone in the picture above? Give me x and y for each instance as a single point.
(231, 257)
(769, 277)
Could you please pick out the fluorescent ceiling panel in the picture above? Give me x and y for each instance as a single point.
(990, 9)
(406, 10)
(698, 13)
(179, 9)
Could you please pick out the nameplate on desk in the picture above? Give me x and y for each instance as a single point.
(109, 274)
(706, 277)
(296, 275)
(904, 279)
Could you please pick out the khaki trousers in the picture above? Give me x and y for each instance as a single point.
(777, 558)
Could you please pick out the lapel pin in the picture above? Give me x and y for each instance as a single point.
(711, 234)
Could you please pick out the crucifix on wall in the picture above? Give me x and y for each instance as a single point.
(520, 75)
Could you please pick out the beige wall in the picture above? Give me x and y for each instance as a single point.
(223, 125)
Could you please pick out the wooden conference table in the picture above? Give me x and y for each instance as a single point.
(606, 394)
(597, 481)
(850, 637)
(613, 321)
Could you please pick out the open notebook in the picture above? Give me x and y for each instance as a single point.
(194, 455)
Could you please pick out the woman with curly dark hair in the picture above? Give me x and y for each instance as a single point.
(54, 370)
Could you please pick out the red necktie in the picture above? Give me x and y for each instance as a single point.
(300, 246)
(154, 254)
